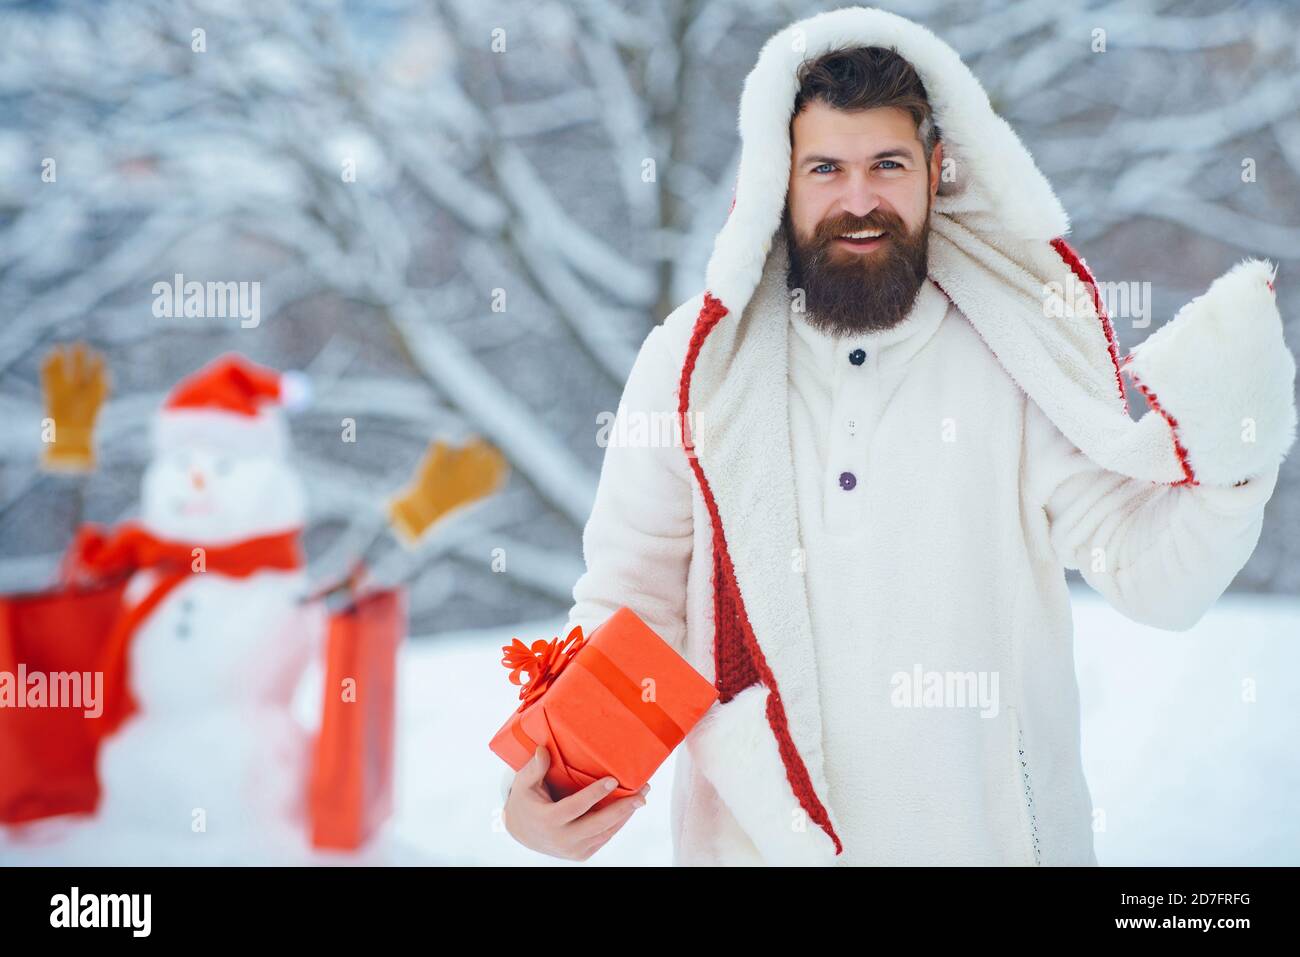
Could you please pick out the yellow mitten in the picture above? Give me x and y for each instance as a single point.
(75, 384)
(447, 478)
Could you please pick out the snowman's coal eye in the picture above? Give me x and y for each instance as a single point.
(222, 466)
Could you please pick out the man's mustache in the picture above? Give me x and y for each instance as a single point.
(833, 229)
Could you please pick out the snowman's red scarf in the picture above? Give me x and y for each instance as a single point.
(96, 556)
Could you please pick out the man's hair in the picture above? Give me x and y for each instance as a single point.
(866, 78)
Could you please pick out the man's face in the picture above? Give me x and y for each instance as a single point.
(857, 217)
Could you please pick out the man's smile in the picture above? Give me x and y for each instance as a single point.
(864, 240)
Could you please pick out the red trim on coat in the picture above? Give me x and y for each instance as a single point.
(1189, 476)
(1071, 259)
(738, 659)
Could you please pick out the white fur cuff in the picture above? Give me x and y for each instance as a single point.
(1222, 372)
(734, 747)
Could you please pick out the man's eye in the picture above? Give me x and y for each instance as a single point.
(828, 167)
(897, 164)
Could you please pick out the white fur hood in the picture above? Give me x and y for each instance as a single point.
(998, 250)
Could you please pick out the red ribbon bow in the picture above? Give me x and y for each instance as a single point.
(543, 661)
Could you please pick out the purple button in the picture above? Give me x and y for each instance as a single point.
(847, 481)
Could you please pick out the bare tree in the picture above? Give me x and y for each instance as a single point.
(466, 216)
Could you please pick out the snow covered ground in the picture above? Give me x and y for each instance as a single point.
(1188, 769)
(1189, 747)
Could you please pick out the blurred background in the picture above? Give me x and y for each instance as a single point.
(465, 217)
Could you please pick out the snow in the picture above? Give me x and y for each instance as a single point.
(1186, 771)
(527, 173)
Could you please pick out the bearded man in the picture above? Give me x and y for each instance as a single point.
(904, 417)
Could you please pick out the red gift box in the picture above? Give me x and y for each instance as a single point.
(351, 792)
(616, 703)
(48, 754)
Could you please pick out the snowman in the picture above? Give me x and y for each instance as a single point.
(208, 762)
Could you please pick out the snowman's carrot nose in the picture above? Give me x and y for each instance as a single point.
(196, 477)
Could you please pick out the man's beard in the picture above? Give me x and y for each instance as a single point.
(847, 293)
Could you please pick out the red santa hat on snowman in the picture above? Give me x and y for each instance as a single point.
(231, 403)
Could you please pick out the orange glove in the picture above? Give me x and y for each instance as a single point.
(446, 479)
(75, 384)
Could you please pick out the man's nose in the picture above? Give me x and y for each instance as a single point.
(859, 197)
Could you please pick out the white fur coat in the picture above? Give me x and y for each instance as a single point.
(1158, 514)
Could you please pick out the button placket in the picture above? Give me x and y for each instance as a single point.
(852, 417)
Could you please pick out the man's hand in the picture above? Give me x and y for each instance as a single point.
(566, 828)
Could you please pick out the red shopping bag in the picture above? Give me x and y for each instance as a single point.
(351, 790)
(47, 753)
